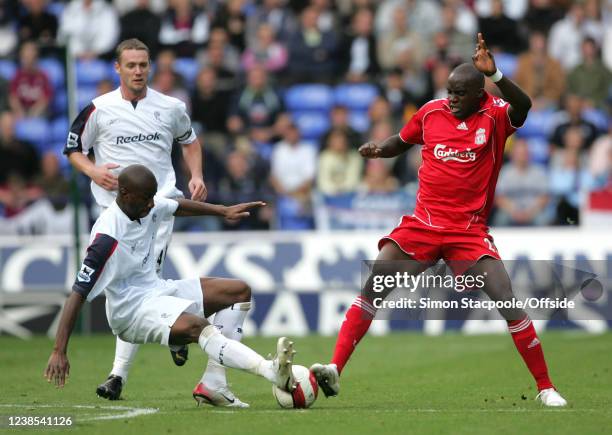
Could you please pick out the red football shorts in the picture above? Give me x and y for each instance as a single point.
(460, 249)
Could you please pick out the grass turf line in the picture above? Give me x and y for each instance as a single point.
(401, 383)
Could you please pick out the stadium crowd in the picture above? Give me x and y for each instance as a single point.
(282, 92)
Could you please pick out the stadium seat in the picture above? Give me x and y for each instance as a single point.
(311, 124)
(506, 63)
(539, 151)
(355, 96)
(56, 8)
(539, 124)
(290, 216)
(597, 117)
(33, 130)
(59, 129)
(90, 72)
(309, 97)
(359, 120)
(188, 68)
(54, 70)
(59, 102)
(84, 96)
(7, 69)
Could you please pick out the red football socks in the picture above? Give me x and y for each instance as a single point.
(356, 323)
(528, 344)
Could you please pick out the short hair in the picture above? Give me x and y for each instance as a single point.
(131, 44)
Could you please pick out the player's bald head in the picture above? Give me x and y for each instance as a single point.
(137, 178)
(468, 76)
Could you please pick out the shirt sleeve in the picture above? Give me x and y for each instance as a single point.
(94, 274)
(82, 134)
(183, 132)
(412, 131)
(165, 206)
(502, 116)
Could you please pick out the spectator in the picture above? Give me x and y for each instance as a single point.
(414, 76)
(293, 170)
(514, 9)
(36, 24)
(104, 87)
(567, 180)
(378, 178)
(91, 27)
(599, 163)
(522, 191)
(542, 14)
(30, 89)
(540, 75)
(339, 117)
(567, 35)
(312, 53)
(423, 16)
(16, 195)
(4, 95)
(273, 13)
(591, 79)
(52, 182)
(231, 18)
(215, 58)
(123, 7)
(184, 29)
(358, 49)
(500, 31)
(16, 157)
(380, 111)
(231, 55)
(8, 36)
(600, 174)
(339, 166)
(460, 44)
(392, 41)
(256, 106)
(143, 24)
(165, 81)
(210, 105)
(573, 117)
(327, 21)
(266, 51)
(403, 104)
(439, 79)
(245, 180)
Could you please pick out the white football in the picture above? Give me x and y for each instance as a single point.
(305, 393)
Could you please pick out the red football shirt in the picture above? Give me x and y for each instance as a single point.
(461, 161)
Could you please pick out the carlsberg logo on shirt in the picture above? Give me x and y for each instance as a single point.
(441, 152)
(138, 138)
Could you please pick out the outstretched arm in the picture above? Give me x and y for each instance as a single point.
(520, 103)
(390, 147)
(236, 212)
(58, 367)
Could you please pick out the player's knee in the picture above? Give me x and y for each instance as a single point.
(244, 292)
(195, 329)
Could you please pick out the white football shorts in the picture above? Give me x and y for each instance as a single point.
(156, 315)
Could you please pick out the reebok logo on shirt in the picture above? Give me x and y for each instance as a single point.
(138, 138)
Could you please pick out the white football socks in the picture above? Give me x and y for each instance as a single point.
(124, 356)
(231, 353)
(229, 321)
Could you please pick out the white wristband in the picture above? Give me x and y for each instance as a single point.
(497, 76)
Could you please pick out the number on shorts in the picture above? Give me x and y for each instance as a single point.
(490, 245)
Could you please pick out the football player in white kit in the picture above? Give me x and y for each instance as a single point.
(136, 124)
(143, 308)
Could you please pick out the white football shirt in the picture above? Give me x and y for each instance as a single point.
(124, 132)
(120, 261)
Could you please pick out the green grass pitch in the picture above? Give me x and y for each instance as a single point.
(401, 383)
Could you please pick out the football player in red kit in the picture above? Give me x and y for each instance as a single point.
(463, 138)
